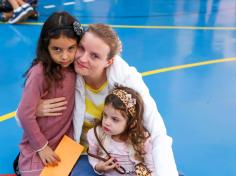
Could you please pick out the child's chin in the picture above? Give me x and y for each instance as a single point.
(107, 132)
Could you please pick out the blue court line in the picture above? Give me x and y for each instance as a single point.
(152, 72)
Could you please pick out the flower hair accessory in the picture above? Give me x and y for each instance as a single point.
(127, 100)
(78, 28)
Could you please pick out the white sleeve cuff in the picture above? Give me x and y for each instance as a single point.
(99, 173)
(42, 147)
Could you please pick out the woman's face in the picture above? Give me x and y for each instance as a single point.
(91, 56)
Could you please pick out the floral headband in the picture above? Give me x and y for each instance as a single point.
(76, 27)
(127, 100)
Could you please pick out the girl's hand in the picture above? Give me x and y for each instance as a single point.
(105, 166)
(51, 107)
(48, 157)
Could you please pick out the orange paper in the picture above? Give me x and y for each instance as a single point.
(68, 151)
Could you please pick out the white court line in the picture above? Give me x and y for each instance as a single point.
(88, 0)
(68, 3)
(49, 6)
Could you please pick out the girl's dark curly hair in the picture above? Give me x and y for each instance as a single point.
(135, 133)
(57, 25)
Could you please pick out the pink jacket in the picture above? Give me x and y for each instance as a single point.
(40, 131)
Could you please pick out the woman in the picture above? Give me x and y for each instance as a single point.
(98, 69)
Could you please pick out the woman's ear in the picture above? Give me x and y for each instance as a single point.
(110, 61)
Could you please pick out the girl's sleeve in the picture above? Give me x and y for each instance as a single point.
(148, 159)
(162, 144)
(27, 108)
(93, 148)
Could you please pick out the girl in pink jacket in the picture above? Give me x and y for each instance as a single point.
(50, 75)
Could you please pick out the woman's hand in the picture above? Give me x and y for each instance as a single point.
(48, 157)
(105, 166)
(51, 107)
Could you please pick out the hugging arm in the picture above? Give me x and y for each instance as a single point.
(162, 144)
(47, 107)
(120, 72)
(51, 107)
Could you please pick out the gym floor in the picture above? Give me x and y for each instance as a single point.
(186, 51)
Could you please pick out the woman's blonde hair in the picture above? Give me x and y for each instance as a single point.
(108, 35)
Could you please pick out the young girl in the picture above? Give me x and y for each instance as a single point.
(50, 75)
(122, 135)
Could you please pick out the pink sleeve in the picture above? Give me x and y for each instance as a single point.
(27, 108)
(93, 147)
(148, 158)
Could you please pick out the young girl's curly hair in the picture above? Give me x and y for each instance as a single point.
(135, 133)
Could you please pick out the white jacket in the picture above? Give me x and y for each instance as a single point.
(120, 72)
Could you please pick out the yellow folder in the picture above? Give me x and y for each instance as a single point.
(68, 151)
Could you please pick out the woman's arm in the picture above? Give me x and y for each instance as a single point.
(120, 72)
(46, 107)
(51, 107)
(162, 144)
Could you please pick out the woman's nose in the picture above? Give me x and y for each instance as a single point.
(82, 56)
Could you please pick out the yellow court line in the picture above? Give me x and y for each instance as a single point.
(151, 27)
(174, 27)
(12, 114)
(7, 116)
(160, 27)
(187, 66)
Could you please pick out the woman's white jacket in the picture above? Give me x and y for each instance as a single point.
(120, 72)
